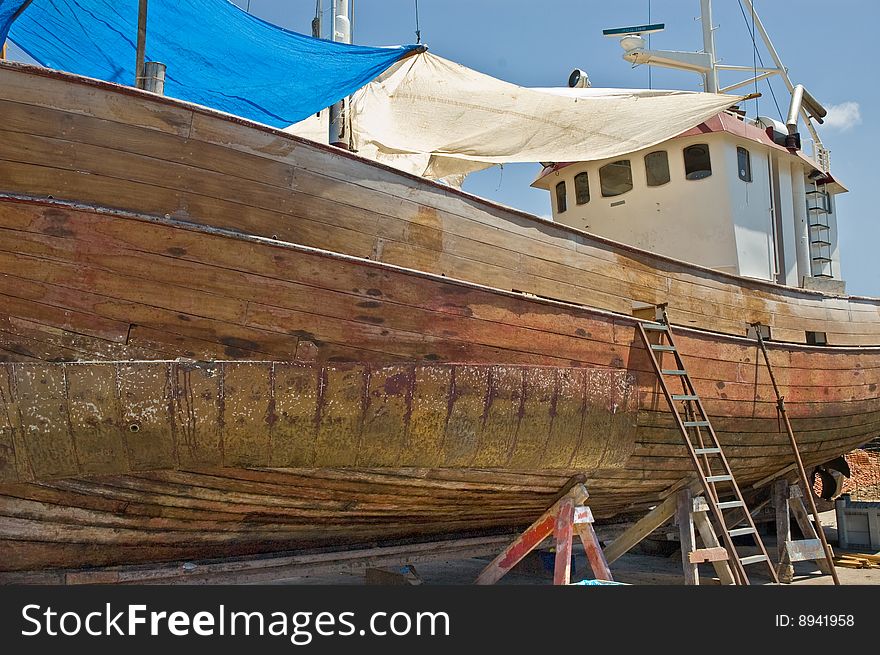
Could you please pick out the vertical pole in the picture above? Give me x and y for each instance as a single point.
(842, 525)
(316, 21)
(783, 71)
(709, 45)
(3, 52)
(563, 531)
(805, 482)
(785, 569)
(688, 537)
(141, 44)
(338, 112)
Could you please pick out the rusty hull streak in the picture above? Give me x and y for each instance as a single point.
(157, 421)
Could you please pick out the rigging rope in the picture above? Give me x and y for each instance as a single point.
(755, 61)
(751, 30)
(650, 68)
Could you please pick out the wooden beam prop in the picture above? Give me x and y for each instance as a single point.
(583, 526)
(641, 529)
(788, 501)
(562, 533)
(711, 544)
(566, 517)
(683, 515)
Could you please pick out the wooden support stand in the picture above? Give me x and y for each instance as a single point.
(568, 516)
(788, 501)
(693, 513)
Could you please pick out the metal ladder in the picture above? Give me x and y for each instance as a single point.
(704, 451)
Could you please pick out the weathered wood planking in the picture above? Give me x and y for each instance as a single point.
(163, 276)
(162, 516)
(192, 163)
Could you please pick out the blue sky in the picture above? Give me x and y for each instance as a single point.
(825, 46)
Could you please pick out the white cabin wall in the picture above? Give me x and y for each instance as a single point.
(752, 210)
(835, 242)
(721, 222)
(788, 238)
(689, 220)
(801, 222)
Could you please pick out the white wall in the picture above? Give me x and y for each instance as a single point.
(686, 219)
(751, 210)
(721, 222)
(835, 243)
(802, 228)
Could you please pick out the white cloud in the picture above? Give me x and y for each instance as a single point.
(844, 116)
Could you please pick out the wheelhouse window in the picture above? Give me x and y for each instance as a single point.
(744, 164)
(582, 188)
(657, 168)
(616, 178)
(561, 204)
(697, 164)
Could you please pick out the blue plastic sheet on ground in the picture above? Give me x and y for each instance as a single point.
(217, 54)
(597, 583)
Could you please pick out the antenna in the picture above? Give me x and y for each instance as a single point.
(705, 63)
(637, 30)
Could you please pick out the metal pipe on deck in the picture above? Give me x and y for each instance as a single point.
(153, 79)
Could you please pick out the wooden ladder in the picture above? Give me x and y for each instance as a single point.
(720, 487)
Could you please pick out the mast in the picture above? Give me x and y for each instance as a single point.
(782, 70)
(338, 113)
(141, 44)
(706, 64)
(711, 76)
(316, 21)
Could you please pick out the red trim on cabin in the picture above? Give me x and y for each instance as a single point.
(722, 122)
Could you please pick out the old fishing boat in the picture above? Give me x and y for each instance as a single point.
(220, 338)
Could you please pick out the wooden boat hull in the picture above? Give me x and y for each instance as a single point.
(134, 228)
(84, 284)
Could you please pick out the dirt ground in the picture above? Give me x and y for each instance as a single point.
(632, 568)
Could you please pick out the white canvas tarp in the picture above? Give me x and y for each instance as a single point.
(435, 118)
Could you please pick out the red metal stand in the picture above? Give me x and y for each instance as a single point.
(568, 516)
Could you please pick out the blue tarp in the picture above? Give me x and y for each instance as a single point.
(217, 54)
(8, 9)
